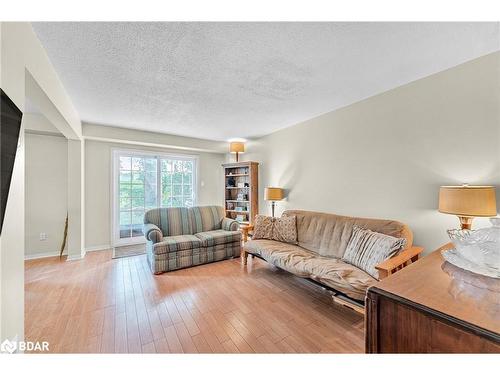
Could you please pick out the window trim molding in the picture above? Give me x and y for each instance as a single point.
(116, 152)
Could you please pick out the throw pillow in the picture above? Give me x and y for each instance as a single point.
(285, 229)
(263, 228)
(282, 229)
(366, 249)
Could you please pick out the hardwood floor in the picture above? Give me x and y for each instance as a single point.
(105, 305)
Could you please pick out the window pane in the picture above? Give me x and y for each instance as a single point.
(125, 163)
(177, 178)
(125, 190)
(125, 217)
(150, 190)
(187, 190)
(188, 202)
(138, 191)
(137, 164)
(177, 202)
(138, 217)
(188, 166)
(125, 231)
(137, 230)
(187, 178)
(166, 178)
(124, 203)
(137, 203)
(167, 202)
(177, 190)
(125, 177)
(150, 164)
(150, 203)
(166, 166)
(137, 177)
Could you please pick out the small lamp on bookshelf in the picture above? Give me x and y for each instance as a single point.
(273, 194)
(237, 148)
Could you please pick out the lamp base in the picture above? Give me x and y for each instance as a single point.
(465, 222)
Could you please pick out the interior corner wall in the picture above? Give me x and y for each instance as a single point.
(98, 182)
(386, 156)
(46, 189)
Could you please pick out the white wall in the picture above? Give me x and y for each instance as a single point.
(46, 193)
(386, 156)
(98, 182)
(23, 61)
(47, 181)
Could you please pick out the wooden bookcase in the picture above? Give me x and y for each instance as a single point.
(241, 191)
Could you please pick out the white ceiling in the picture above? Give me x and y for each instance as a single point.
(224, 80)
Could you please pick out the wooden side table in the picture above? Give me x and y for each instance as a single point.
(245, 228)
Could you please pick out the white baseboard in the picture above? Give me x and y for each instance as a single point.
(41, 255)
(98, 248)
(75, 257)
(56, 253)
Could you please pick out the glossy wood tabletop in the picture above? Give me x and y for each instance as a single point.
(440, 286)
(100, 304)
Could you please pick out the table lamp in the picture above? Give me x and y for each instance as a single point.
(273, 194)
(467, 202)
(237, 148)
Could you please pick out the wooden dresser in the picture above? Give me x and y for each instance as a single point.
(432, 306)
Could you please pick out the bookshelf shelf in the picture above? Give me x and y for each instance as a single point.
(241, 203)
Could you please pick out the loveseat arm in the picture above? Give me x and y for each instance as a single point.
(403, 259)
(230, 224)
(152, 233)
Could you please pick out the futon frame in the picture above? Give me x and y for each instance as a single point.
(385, 269)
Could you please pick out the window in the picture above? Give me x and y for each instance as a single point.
(143, 181)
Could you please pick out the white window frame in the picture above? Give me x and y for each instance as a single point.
(115, 183)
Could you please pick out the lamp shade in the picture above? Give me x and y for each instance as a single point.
(236, 147)
(468, 201)
(273, 194)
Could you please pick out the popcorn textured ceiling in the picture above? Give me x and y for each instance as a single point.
(223, 80)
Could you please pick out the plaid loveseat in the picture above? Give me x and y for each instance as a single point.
(180, 237)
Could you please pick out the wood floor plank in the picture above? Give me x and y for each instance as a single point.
(187, 343)
(173, 341)
(100, 304)
(161, 346)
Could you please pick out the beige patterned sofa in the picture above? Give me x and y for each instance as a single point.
(180, 237)
(322, 240)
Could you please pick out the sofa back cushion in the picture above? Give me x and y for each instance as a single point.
(173, 221)
(328, 234)
(205, 218)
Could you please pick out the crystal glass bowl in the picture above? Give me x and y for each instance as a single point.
(479, 248)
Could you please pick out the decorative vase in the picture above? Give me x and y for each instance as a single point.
(476, 250)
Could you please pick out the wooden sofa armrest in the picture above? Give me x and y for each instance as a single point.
(398, 262)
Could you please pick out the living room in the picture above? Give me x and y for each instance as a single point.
(250, 187)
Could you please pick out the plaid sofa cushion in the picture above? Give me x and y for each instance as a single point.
(172, 221)
(218, 237)
(177, 243)
(187, 258)
(205, 218)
